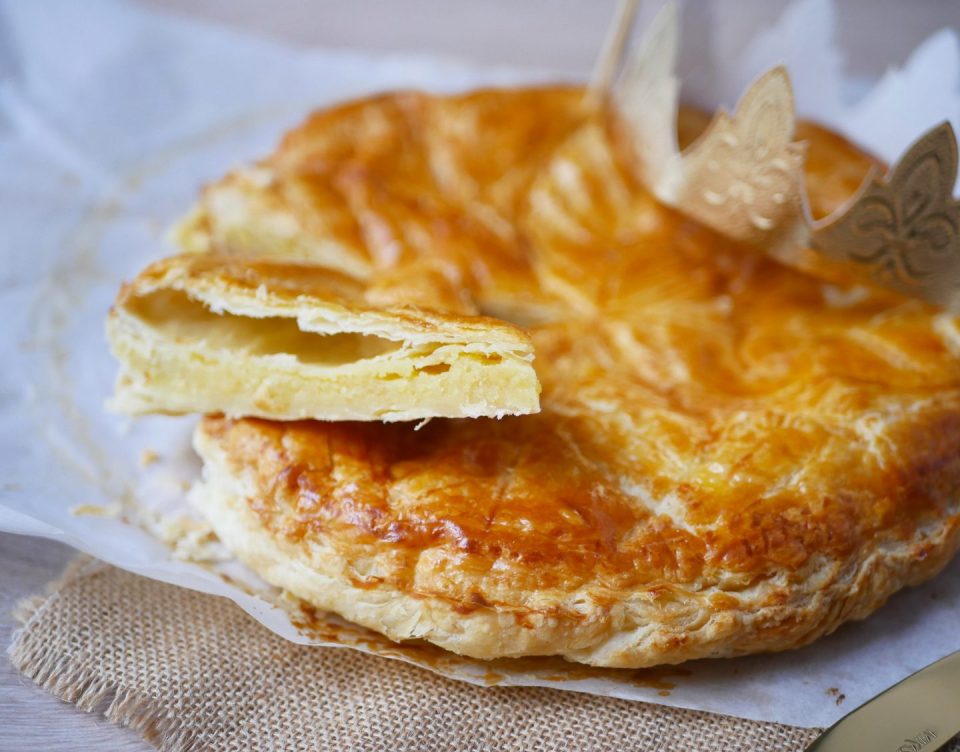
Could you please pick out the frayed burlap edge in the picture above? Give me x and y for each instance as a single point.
(39, 661)
(75, 675)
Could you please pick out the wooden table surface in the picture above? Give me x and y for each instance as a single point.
(30, 719)
(559, 34)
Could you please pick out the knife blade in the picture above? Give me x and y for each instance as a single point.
(919, 714)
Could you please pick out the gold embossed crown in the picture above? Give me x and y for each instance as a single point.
(744, 178)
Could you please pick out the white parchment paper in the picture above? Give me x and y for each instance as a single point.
(111, 117)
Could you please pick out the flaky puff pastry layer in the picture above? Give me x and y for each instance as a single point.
(730, 456)
(286, 340)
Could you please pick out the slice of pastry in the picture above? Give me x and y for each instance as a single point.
(286, 340)
(730, 457)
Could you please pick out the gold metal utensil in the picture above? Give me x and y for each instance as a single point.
(920, 714)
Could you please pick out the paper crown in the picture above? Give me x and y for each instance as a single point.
(744, 178)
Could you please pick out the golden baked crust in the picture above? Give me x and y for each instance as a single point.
(375, 183)
(730, 456)
(287, 340)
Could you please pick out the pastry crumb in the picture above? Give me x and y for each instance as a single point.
(95, 510)
(837, 694)
(190, 539)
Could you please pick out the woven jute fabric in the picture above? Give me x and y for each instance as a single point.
(194, 672)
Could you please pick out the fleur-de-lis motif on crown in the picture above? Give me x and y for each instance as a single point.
(742, 177)
(905, 229)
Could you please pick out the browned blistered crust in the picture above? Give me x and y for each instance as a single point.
(730, 456)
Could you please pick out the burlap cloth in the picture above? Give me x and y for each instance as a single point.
(193, 672)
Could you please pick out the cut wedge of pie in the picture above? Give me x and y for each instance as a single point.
(280, 339)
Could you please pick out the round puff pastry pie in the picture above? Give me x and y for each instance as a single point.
(730, 456)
